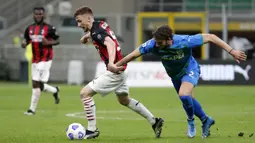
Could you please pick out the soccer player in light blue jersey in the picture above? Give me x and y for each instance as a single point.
(176, 56)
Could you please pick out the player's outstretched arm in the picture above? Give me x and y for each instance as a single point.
(119, 65)
(136, 53)
(142, 50)
(237, 54)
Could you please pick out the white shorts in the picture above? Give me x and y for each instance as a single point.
(108, 82)
(41, 71)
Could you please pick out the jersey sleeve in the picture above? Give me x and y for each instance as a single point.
(26, 35)
(194, 41)
(147, 47)
(53, 33)
(99, 35)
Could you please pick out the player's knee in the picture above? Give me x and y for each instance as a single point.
(86, 92)
(123, 99)
(124, 102)
(83, 93)
(36, 84)
(186, 89)
(41, 86)
(185, 92)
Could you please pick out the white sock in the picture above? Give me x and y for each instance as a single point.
(142, 110)
(90, 112)
(49, 88)
(36, 93)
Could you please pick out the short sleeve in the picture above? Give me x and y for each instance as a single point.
(26, 35)
(194, 41)
(99, 36)
(53, 33)
(147, 47)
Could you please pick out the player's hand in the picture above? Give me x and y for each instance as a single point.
(84, 39)
(45, 42)
(238, 55)
(113, 68)
(24, 44)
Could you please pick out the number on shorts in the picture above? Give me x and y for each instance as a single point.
(191, 74)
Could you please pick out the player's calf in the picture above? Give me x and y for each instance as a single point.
(199, 112)
(86, 95)
(188, 106)
(54, 90)
(36, 93)
(139, 108)
(185, 94)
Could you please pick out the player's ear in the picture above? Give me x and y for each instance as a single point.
(169, 41)
(89, 18)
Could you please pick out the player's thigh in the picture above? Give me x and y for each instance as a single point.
(123, 89)
(36, 72)
(188, 82)
(45, 76)
(106, 83)
(45, 71)
(47, 65)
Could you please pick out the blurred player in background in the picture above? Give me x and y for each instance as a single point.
(176, 55)
(108, 48)
(42, 36)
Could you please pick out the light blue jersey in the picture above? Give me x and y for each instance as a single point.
(181, 66)
(177, 59)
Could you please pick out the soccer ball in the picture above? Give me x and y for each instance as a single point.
(75, 131)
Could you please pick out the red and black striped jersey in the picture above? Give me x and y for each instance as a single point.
(99, 31)
(34, 34)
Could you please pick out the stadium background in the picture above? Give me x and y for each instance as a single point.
(133, 21)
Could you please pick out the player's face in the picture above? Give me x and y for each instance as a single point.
(84, 21)
(38, 16)
(163, 43)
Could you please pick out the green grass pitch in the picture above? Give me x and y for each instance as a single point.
(233, 108)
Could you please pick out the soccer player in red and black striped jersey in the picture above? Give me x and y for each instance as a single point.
(108, 48)
(42, 36)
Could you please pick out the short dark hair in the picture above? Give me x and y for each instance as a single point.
(39, 8)
(83, 10)
(163, 33)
